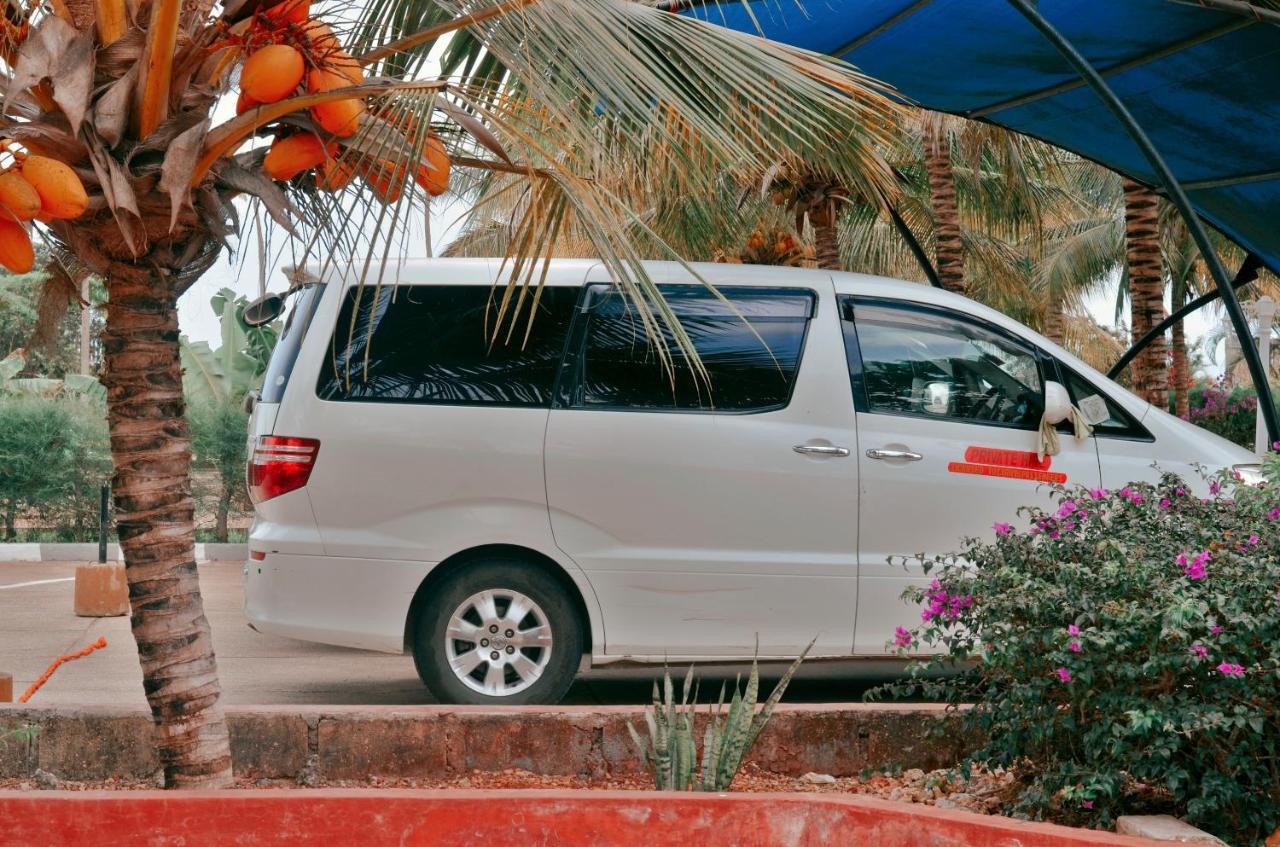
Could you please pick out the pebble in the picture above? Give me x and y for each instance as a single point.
(818, 778)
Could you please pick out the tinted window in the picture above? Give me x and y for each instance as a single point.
(286, 352)
(433, 344)
(749, 346)
(937, 364)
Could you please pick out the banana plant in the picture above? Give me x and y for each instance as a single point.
(79, 385)
(670, 751)
(229, 372)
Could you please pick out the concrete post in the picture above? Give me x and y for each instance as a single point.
(1264, 309)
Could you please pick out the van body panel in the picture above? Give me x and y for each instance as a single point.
(707, 533)
(346, 601)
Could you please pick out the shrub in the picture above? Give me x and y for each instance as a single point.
(1123, 653)
(1230, 413)
(670, 752)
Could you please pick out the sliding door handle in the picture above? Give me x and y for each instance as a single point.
(821, 450)
(906, 455)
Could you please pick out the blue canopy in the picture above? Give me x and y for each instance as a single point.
(1204, 84)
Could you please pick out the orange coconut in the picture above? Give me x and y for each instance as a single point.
(244, 103)
(339, 117)
(320, 39)
(272, 73)
(62, 194)
(19, 196)
(386, 180)
(15, 246)
(334, 174)
(434, 176)
(290, 156)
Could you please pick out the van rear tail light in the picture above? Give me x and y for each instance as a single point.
(280, 464)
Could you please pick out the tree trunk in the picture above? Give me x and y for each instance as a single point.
(224, 509)
(151, 454)
(826, 238)
(1146, 290)
(1054, 325)
(948, 245)
(1180, 374)
(11, 520)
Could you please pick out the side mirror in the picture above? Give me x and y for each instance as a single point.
(264, 310)
(937, 398)
(1057, 402)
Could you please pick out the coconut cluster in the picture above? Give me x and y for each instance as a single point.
(289, 52)
(37, 188)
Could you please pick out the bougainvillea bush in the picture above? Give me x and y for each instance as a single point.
(1125, 653)
(1229, 412)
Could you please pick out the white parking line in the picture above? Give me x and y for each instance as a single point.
(37, 582)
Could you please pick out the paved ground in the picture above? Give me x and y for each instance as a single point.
(37, 625)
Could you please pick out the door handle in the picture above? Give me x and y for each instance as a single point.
(821, 450)
(908, 455)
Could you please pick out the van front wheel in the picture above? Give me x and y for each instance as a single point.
(498, 633)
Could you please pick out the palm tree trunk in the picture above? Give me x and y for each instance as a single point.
(1181, 371)
(1054, 325)
(1146, 290)
(948, 245)
(151, 453)
(826, 239)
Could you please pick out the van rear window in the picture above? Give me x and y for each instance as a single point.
(286, 352)
(434, 344)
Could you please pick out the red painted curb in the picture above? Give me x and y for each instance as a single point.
(486, 818)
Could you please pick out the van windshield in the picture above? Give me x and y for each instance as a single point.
(286, 352)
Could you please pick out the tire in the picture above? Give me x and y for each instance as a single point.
(490, 593)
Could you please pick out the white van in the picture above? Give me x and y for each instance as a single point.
(512, 513)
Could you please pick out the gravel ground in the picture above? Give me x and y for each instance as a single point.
(983, 793)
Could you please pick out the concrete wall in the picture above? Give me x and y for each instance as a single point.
(354, 743)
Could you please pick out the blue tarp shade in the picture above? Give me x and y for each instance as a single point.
(1205, 85)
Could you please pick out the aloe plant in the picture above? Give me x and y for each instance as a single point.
(670, 751)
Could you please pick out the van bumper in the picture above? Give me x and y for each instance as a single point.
(360, 603)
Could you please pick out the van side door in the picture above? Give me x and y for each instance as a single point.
(710, 516)
(948, 408)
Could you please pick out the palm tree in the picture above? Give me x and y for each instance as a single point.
(109, 117)
(948, 244)
(1146, 289)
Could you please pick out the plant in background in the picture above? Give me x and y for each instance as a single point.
(1123, 653)
(1229, 412)
(670, 751)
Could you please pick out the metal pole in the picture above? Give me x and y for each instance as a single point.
(1248, 273)
(1264, 309)
(103, 494)
(922, 258)
(1176, 195)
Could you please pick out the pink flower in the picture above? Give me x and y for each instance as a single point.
(1073, 630)
(1215, 629)
(1097, 493)
(1274, 513)
(1064, 675)
(1001, 528)
(1075, 647)
(1228, 669)
(1195, 568)
(1199, 651)
(901, 637)
(1253, 540)
(1215, 487)
(1088, 804)
(1164, 502)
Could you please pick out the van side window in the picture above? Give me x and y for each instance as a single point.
(750, 347)
(931, 363)
(1119, 425)
(433, 344)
